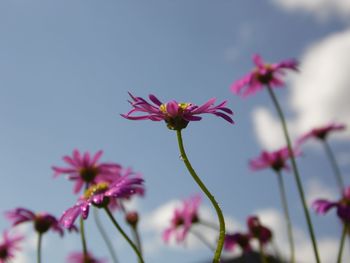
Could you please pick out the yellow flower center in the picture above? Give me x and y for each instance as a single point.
(182, 107)
(94, 189)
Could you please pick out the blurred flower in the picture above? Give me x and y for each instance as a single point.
(275, 160)
(176, 115)
(101, 195)
(183, 219)
(258, 231)
(321, 133)
(240, 239)
(85, 169)
(8, 246)
(263, 74)
(42, 221)
(78, 257)
(322, 206)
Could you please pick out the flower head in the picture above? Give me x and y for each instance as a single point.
(8, 247)
(86, 169)
(322, 206)
(183, 219)
(240, 239)
(321, 133)
(258, 231)
(42, 221)
(263, 74)
(176, 115)
(101, 195)
(276, 160)
(78, 257)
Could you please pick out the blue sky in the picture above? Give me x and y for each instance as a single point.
(66, 68)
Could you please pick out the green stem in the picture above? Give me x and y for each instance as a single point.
(137, 239)
(133, 246)
(342, 241)
(296, 173)
(335, 166)
(286, 215)
(208, 194)
(262, 253)
(39, 247)
(104, 236)
(82, 234)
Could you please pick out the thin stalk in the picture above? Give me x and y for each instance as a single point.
(39, 247)
(286, 215)
(262, 253)
(342, 241)
(82, 235)
(201, 238)
(137, 238)
(296, 173)
(335, 166)
(221, 240)
(104, 236)
(133, 246)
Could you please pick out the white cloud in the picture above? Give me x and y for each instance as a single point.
(319, 94)
(268, 129)
(320, 8)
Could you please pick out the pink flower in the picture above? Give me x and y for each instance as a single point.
(321, 133)
(263, 74)
(322, 206)
(240, 239)
(84, 169)
(8, 247)
(78, 257)
(276, 160)
(258, 231)
(42, 221)
(101, 195)
(182, 219)
(176, 115)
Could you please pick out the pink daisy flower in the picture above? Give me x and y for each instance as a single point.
(101, 195)
(263, 74)
(321, 133)
(258, 231)
(183, 219)
(42, 221)
(276, 160)
(8, 247)
(86, 169)
(78, 257)
(176, 115)
(322, 206)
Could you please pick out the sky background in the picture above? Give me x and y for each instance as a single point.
(66, 68)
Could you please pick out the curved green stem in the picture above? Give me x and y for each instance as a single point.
(286, 215)
(342, 241)
(104, 236)
(39, 247)
(296, 173)
(82, 235)
(115, 223)
(335, 166)
(221, 240)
